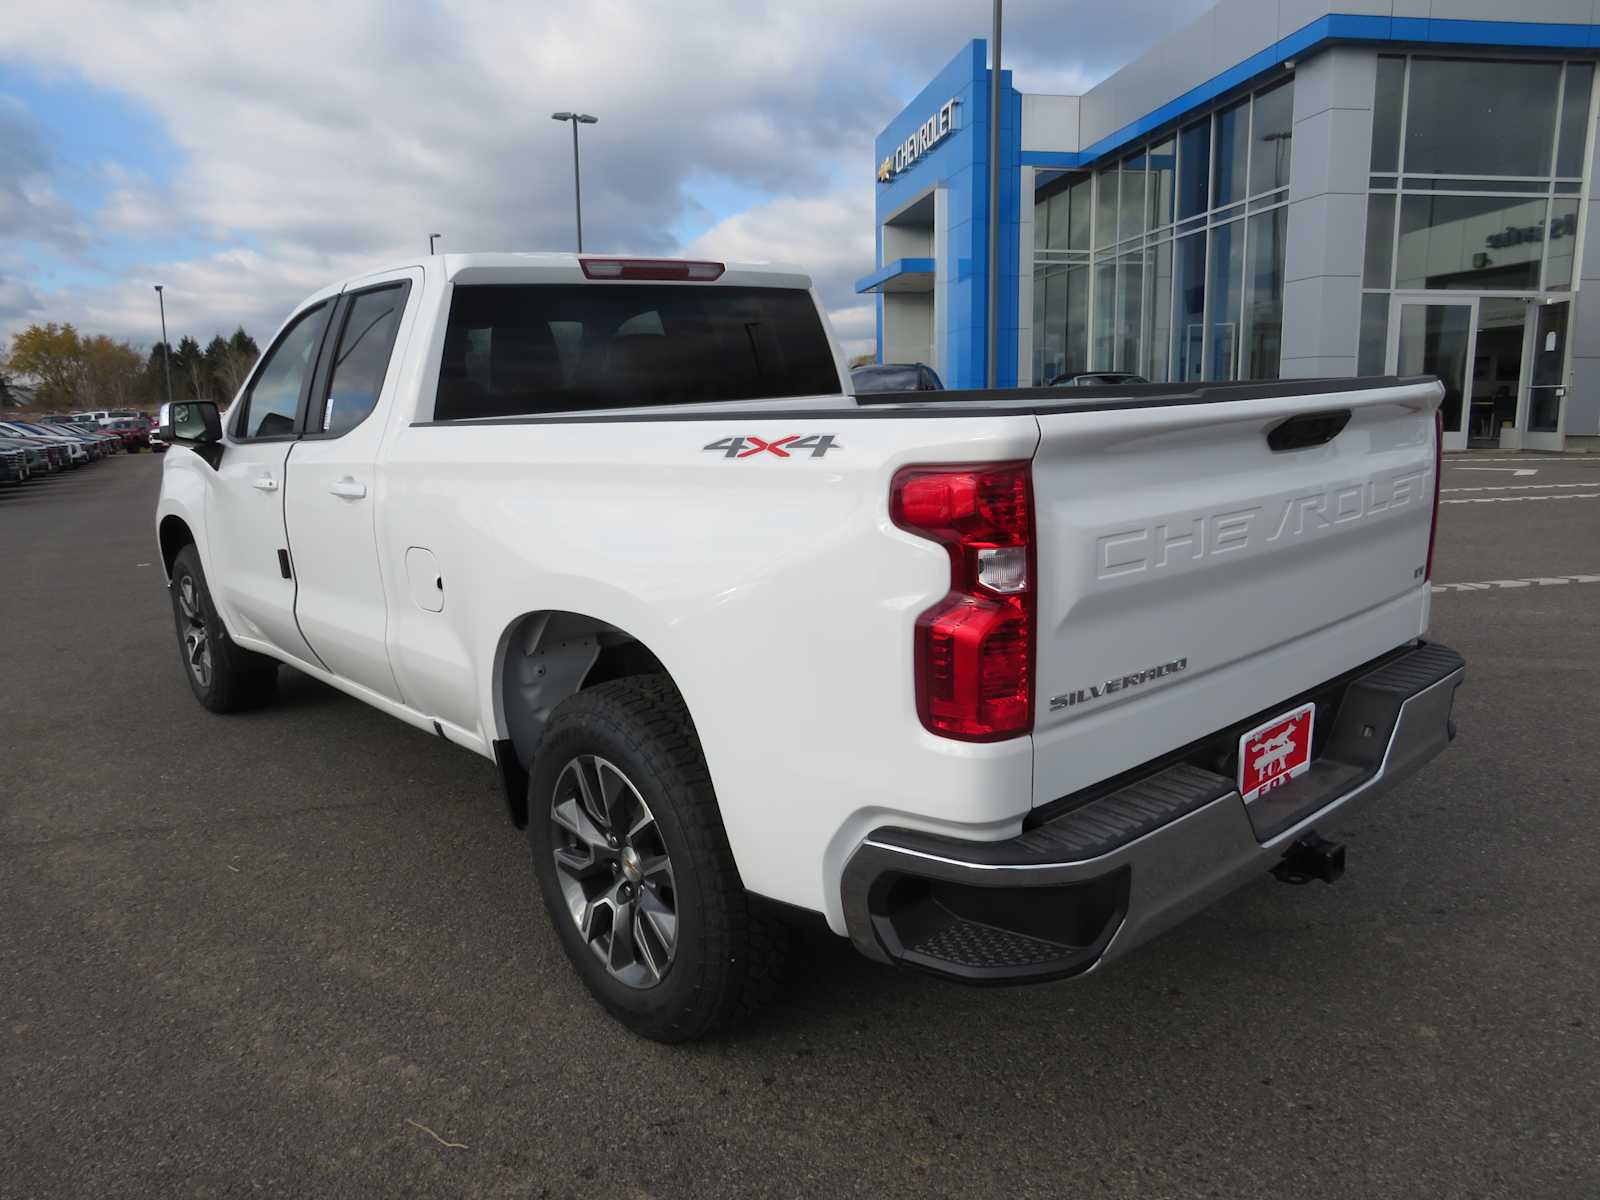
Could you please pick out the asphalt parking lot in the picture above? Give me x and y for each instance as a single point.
(297, 953)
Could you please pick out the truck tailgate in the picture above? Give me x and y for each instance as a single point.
(1191, 575)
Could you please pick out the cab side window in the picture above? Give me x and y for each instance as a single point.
(273, 400)
(361, 359)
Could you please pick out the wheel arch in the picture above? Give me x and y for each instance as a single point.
(542, 658)
(174, 534)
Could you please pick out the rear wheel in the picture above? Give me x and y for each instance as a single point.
(223, 677)
(635, 869)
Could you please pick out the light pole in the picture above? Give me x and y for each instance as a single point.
(431, 239)
(166, 350)
(992, 340)
(577, 119)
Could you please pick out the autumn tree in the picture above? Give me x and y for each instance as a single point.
(113, 372)
(53, 355)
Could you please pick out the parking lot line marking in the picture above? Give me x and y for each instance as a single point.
(1502, 584)
(1587, 459)
(1515, 499)
(1514, 487)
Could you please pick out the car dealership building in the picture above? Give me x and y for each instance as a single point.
(1282, 188)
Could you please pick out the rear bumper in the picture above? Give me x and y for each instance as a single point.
(1108, 874)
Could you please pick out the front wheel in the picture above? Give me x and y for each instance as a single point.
(635, 869)
(223, 676)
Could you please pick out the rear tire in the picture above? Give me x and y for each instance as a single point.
(223, 677)
(626, 836)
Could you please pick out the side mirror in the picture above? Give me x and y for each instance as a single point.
(196, 424)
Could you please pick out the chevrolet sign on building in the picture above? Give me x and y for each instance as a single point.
(928, 135)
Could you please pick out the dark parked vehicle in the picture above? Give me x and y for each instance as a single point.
(895, 377)
(13, 465)
(1096, 379)
(35, 458)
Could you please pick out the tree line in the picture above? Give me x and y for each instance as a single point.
(56, 367)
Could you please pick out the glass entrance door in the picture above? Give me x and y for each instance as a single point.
(1547, 380)
(1435, 337)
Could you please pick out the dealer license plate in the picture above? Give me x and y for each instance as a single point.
(1271, 755)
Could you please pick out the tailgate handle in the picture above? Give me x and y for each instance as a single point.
(1308, 429)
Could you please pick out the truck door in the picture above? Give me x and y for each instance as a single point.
(248, 547)
(332, 483)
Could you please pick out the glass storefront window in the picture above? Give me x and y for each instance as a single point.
(1224, 295)
(1049, 328)
(1082, 213)
(1232, 147)
(1386, 110)
(1472, 243)
(1374, 347)
(1165, 229)
(1189, 287)
(1130, 302)
(1103, 344)
(1263, 299)
(1379, 268)
(1077, 303)
(1158, 313)
(1105, 208)
(1574, 119)
(1561, 242)
(1271, 139)
(1163, 172)
(1060, 211)
(1194, 169)
(1130, 219)
(1476, 117)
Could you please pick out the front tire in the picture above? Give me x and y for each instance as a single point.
(223, 676)
(635, 869)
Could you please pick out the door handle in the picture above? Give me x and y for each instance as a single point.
(348, 488)
(265, 483)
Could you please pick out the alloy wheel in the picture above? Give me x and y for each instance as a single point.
(196, 642)
(614, 871)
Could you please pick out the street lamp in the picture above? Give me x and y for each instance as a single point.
(431, 238)
(166, 349)
(577, 119)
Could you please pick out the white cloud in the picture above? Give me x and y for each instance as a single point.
(317, 138)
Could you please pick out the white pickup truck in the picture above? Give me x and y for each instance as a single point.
(1001, 684)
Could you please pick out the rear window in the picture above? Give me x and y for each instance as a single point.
(527, 349)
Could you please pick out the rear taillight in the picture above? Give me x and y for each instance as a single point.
(1438, 478)
(651, 268)
(974, 649)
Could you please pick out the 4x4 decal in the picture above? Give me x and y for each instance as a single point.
(747, 447)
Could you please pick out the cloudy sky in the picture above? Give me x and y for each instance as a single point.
(245, 154)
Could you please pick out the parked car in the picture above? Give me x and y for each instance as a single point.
(108, 440)
(1095, 379)
(158, 444)
(104, 442)
(134, 433)
(895, 377)
(95, 445)
(35, 456)
(93, 416)
(74, 449)
(13, 464)
(995, 703)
